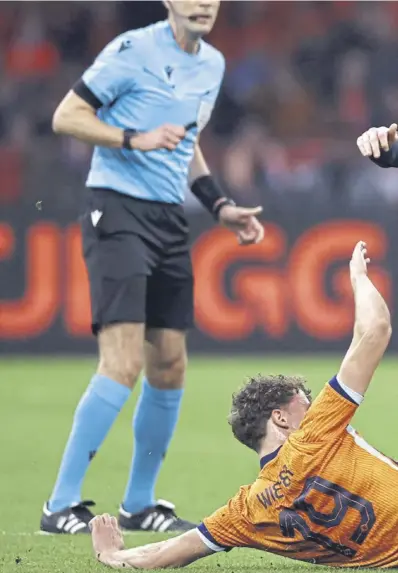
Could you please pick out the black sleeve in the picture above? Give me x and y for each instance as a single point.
(81, 89)
(387, 158)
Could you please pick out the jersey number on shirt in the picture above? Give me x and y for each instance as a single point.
(291, 521)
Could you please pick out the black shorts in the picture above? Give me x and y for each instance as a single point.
(138, 261)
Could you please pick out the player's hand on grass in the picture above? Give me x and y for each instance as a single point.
(243, 222)
(106, 535)
(376, 138)
(164, 137)
(359, 262)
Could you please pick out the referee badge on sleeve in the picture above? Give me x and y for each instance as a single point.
(204, 114)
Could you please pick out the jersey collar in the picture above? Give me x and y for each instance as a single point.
(269, 457)
(182, 53)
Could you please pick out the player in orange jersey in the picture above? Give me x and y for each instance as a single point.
(323, 494)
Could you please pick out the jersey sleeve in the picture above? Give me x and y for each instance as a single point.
(329, 415)
(227, 527)
(111, 73)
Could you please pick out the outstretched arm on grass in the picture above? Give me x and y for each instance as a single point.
(109, 548)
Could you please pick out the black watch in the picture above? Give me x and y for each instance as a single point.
(127, 135)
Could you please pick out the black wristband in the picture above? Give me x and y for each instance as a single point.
(209, 194)
(127, 135)
(220, 204)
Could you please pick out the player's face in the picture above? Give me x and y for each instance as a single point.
(296, 410)
(197, 17)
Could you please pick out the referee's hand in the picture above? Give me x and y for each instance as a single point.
(244, 223)
(376, 138)
(166, 136)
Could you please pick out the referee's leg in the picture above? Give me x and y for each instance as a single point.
(169, 315)
(120, 363)
(117, 276)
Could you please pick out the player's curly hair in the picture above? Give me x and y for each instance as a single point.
(252, 406)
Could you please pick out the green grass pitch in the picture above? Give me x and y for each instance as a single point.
(204, 465)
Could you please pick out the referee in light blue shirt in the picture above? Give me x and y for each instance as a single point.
(142, 105)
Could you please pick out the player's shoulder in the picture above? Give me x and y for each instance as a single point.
(213, 57)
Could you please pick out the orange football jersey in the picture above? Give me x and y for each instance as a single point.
(325, 496)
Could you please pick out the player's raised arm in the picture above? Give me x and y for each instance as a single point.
(380, 144)
(334, 407)
(372, 328)
(173, 553)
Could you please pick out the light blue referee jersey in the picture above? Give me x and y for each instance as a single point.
(144, 80)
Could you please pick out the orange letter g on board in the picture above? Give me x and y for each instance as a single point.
(329, 315)
(258, 293)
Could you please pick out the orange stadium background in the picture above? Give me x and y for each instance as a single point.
(303, 80)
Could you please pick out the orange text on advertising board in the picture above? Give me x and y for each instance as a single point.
(267, 287)
(272, 286)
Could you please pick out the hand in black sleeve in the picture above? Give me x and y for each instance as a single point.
(380, 144)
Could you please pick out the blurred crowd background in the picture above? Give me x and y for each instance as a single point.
(303, 80)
